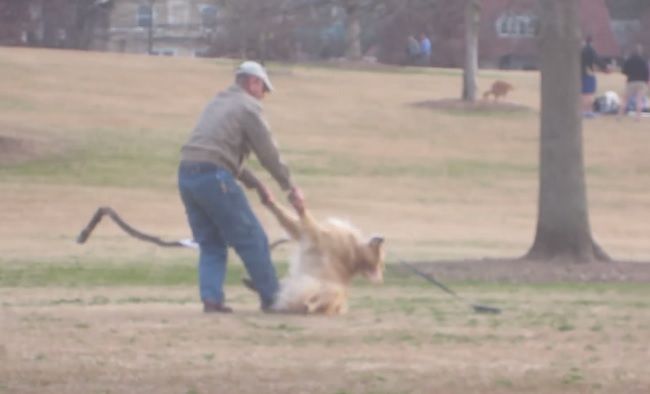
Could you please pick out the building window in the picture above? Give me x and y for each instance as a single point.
(518, 26)
(178, 12)
(145, 15)
(208, 16)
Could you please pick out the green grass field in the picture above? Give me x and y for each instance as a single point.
(81, 130)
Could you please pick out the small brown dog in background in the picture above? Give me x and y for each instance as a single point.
(498, 89)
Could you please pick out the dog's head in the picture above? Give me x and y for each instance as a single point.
(371, 265)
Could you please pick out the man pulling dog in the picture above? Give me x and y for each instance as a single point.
(212, 161)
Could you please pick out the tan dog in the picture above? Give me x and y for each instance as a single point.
(498, 89)
(329, 255)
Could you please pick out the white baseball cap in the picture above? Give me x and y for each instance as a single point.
(255, 69)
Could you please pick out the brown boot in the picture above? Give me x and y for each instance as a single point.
(215, 307)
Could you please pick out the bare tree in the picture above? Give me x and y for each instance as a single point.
(375, 11)
(563, 230)
(472, 24)
(627, 9)
(52, 23)
(256, 29)
(443, 20)
(318, 28)
(14, 20)
(86, 17)
(352, 28)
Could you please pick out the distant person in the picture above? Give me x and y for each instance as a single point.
(425, 50)
(412, 50)
(212, 161)
(635, 69)
(589, 60)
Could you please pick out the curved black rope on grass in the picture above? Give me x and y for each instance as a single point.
(102, 211)
(132, 231)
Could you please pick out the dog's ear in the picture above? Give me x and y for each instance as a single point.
(376, 242)
(375, 265)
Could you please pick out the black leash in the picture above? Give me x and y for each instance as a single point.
(188, 243)
(477, 307)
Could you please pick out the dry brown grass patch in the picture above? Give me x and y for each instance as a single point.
(477, 106)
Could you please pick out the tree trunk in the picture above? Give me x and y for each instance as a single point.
(472, 23)
(563, 231)
(352, 31)
(150, 29)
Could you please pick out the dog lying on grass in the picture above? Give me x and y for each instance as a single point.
(328, 256)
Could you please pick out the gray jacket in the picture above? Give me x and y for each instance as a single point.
(230, 127)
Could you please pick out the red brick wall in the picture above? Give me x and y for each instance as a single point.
(445, 27)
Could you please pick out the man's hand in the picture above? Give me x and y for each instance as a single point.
(264, 193)
(297, 200)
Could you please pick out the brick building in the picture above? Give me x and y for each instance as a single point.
(507, 38)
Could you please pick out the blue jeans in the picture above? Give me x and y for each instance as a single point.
(220, 216)
(588, 84)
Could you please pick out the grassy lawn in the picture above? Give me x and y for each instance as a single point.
(105, 129)
(403, 337)
(116, 315)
